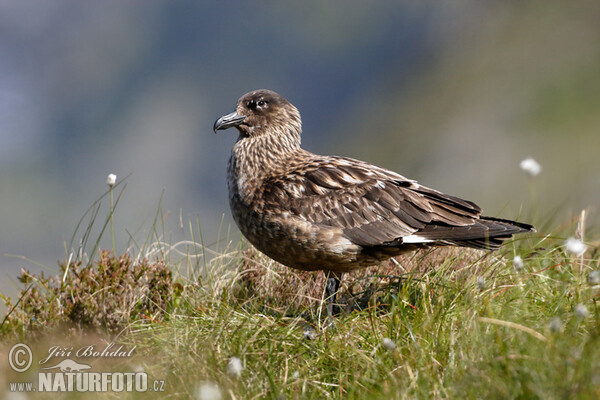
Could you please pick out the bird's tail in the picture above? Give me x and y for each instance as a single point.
(495, 231)
(487, 233)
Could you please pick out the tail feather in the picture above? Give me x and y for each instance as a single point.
(487, 233)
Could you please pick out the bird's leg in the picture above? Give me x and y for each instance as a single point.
(331, 289)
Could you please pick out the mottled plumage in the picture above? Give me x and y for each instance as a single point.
(330, 213)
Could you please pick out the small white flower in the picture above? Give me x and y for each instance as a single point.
(480, 282)
(208, 391)
(137, 368)
(555, 324)
(235, 367)
(309, 333)
(111, 180)
(575, 246)
(296, 375)
(388, 344)
(532, 167)
(576, 353)
(14, 396)
(518, 263)
(581, 311)
(594, 277)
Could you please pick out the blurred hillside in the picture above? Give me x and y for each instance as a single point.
(453, 95)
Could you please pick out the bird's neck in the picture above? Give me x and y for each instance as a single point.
(254, 159)
(260, 154)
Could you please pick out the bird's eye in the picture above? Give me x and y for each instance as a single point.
(254, 104)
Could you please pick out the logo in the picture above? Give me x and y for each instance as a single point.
(70, 366)
(20, 357)
(68, 375)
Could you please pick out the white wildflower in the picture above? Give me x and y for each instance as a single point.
(309, 333)
(480, 282)
(137, 368)
(235, 367)
(576, 353)
(575, 246)
(594, 277)
(581, 311)
(518, 263)
(555, 324)
(532, 167)
(208, 391)
(388, 344)
(14, 396)
(111, 180)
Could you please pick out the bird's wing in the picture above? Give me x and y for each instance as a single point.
(372, 206)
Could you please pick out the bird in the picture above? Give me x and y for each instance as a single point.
(331, 213)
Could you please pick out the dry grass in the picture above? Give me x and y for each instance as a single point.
(288, 291)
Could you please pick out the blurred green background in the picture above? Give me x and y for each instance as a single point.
(453, 94)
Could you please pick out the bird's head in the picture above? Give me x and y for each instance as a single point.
(262, 112)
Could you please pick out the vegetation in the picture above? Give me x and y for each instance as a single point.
(449, 323)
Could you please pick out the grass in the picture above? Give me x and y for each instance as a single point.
(465, 324)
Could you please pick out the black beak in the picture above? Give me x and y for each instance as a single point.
(227, 121)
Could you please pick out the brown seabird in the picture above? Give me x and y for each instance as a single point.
(335, 214)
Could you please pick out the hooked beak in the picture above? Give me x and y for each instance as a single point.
(227, 121)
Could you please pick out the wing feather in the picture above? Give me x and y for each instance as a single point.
(372, 206)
